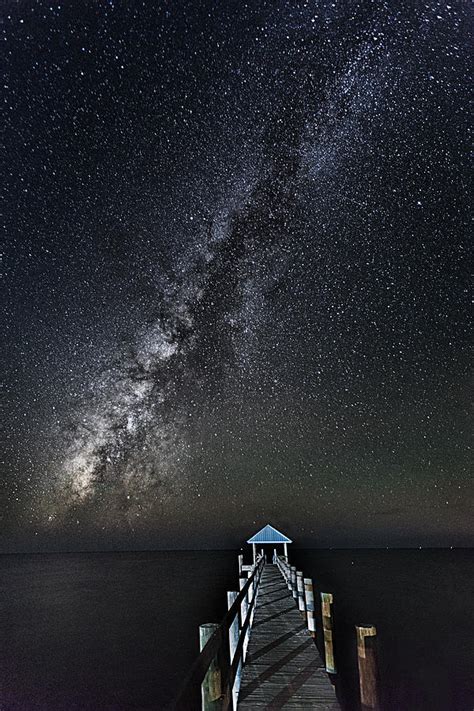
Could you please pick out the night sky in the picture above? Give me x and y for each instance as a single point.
(235, 273)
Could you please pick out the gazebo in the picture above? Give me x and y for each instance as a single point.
(269, 535)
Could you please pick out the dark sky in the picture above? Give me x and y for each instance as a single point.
(235, 273)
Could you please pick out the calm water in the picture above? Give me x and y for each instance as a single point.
(118, 631)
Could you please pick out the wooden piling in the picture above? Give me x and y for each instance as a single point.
(368, 671)
(309, 604)
(300, 592)
(211, 690)
(326, 609)
(233, 642)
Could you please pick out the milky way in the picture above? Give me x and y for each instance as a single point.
(236, 272)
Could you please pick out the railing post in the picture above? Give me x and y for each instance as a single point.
(243, 616)
(326, 608)
(300, 592)
(241, 562)
(233, 642)
(250, 595)
(211, 687)
(309, 603)
(294, 589)
(368, 671)
(253, 592)
(282, 569)
(254, 585)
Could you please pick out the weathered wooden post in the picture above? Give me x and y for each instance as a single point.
(244, 607)
(233, 642)
(211, 691)
(251, 595)
(309, 603)
(326, 608)
(368, 671)
(300, 592)
(294, 589)
(241, 562)
(250, 590)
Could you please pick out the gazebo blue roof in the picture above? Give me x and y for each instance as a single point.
(268, 534)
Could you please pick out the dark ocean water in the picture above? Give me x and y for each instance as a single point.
(117, 631)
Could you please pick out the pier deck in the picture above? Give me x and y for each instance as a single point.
(283, 668)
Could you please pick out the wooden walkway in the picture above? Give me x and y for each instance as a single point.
(283, 669)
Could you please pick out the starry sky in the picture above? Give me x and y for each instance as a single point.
(235, 273)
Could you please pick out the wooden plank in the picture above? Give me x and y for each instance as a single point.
(283, 667)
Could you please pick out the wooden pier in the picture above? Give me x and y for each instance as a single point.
(263, 655)
(283, 668)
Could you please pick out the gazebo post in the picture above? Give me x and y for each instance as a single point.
(254, 548)
(285, 546)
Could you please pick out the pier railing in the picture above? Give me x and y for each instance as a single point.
(217, 669)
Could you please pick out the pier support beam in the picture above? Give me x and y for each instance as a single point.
(368, 671)
(326, 609)
(211, 690)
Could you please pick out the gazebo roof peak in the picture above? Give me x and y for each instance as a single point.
(269, 534)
